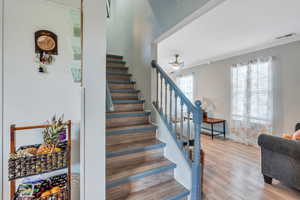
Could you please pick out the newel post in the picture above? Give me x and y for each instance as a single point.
(196, 166)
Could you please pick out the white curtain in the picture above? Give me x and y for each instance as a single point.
(186, 85)
(251, 100)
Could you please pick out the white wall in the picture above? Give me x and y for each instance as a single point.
(213, 81)
(131, 31)
(133, 27)
(31, 97)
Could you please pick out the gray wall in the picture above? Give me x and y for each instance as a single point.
(213, 81)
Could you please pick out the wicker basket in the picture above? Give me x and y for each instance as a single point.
(61, 195)
(37, 164)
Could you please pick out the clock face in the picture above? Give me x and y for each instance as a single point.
(46, 43)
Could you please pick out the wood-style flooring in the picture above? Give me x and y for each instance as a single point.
(232, 172)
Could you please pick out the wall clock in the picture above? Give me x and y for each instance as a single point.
(45, 48)
(46, 42)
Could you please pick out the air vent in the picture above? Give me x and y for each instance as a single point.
(285, 36)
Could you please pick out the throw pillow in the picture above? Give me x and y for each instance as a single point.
(296, 135)
(286, 136)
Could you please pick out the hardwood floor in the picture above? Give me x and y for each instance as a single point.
(232, 172)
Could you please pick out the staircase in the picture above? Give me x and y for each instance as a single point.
(136, 168)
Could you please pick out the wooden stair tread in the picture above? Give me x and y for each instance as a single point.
(128, 101)
(130, 127)
(131, 112)
(164, 191)
(127, 114)
(118, 74)
(120, 82)
(120, 170)
(132, 145)
(134, 91)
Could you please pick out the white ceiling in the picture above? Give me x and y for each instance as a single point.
(232, 27)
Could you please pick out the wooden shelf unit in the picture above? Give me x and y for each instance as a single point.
(14, 128)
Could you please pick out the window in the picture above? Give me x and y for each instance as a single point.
(186, 84)
(252, 95)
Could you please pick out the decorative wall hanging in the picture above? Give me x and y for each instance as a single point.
(45, 48)
(75, 65)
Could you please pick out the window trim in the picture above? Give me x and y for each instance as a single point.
(246, 116)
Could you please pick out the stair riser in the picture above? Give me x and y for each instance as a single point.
(129, 107)
(130, 137)
(148, 155)
(117, 77)
(126, 121)
(114, 57)
(112, 69)
(125, 97)
(123, 190)
(120, 86)
(108, 64)
(123, 94)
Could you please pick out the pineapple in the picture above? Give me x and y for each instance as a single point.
(51, 134)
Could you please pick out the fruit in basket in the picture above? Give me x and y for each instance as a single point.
(55, 190)
(45, 148)
(45, 194)
(31, 150)
(20, 154)
(56, 150)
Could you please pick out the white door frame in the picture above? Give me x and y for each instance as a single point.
(1, 92)
(92, 161)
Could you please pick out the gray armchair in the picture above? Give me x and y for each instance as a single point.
(280, 159)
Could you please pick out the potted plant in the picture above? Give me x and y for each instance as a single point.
(207, 106)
